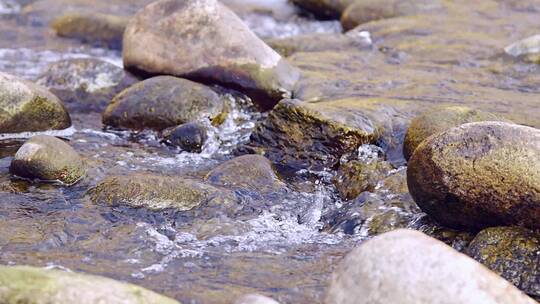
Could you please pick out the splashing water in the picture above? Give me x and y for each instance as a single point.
(8, 7)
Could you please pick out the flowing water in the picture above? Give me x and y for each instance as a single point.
(284, 246)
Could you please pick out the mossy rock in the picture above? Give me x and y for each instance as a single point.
(438, 120)
(94, 28)
(355, 177)
(158, 192)
(85, 84)
(387, 221)
(511, 252)
(161, 102)
(47, 158)
(24, 284)
(27, 107)
(479, 175)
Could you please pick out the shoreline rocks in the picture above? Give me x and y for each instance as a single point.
(47, 158)
(27, 107)
(479, 175)
(408, 267)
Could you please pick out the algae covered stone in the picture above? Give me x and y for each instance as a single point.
(47, 158)
(204, 40)
(438, 120)
(27, 107)
(511, 252)
(161, 102)
(408, 267)
(157, 192)
(479, 175)
(25, 284)
(355, 177)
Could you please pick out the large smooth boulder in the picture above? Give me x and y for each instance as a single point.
(161, 102)
(25, 106)
(47, 158)
(511, 252)
(24, 284)
(157, 192)
(85, 83)
(438, 120)
(408, 267)
(204, 40)
(479, 175)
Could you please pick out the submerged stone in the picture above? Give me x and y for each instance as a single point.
(355, 177)
(95, 28)
(511, 252)
(27, 107)
(47, 158)
(204, 40)
(189, 137)
(408, 267)
(25, 284)
(438, 120)
(161, 102)
(318, 42)
(479, 175)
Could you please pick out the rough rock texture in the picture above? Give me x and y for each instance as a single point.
(189, 137)
(95, 28)
(438, 120)
(252, 173)
(325, 9)
(25, 107)
(161, 102)
(511, 252)
(408, 267)
(47, 158)
(157, 192)
(204, 40)
(362, 11)
(85, 84)
(318, 42)
(479, 175)
(355, 177)
(255, 299)
(24, 284)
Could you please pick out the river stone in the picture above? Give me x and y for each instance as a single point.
(324, 9)
(255, 299)
(511, 252)
(161, 102)
(25, 284)
(250, 172)
(438, 120)
(408, 267)
(85, 83)
(189, 137)
(528, 49)
(355, 177)
(157, 192)
(479, 175)
(100, 29)
(363, 11)
(47, 158)
(25, 107)
(204, 40)
(317, 42)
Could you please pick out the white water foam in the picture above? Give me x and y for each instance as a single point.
(8, 7)
(65, 133)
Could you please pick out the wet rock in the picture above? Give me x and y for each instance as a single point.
(253, 173)
(479, 175)
(300, 134)
(85, 84)
(204, 40)
(438, 120)
(255, 299)
(511, 252)
(528, 49)
(189, 137)
(363, 11)
(325, 9)
(320, 42)
(95, 28)
(157, 192)
(24, 284)
(406, 266)
(25, 106)
(161, 102)
(355, 177)
(47, 158)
